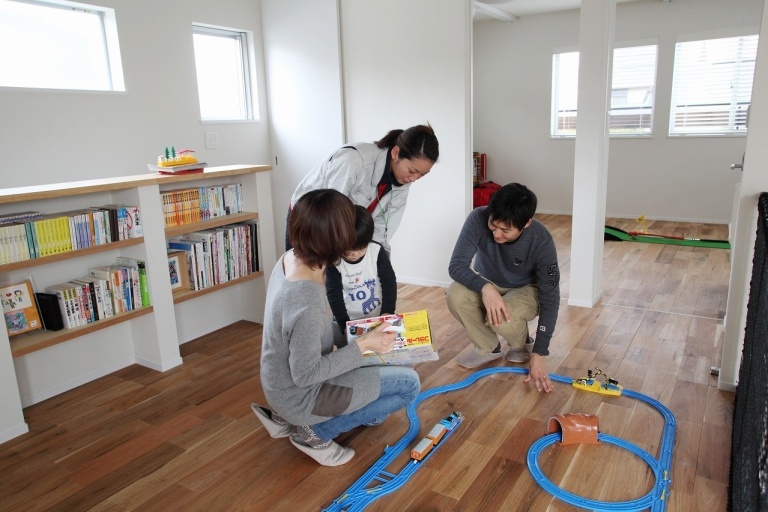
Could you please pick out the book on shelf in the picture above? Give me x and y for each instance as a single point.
(194, 252)
(188, 205)
(206, 262)
(19, 307)
(178, 272)
(67, 298)
(127, 219)
(48, 305)
(216, 256)
(14, 243)
(120, 281)
(86, 305)
(86, 228)
(96, 292)
(138, 278)
(52, 234)
(29, 235)
(255, 244)
(178, 169)
(9, 218)
(103, 226)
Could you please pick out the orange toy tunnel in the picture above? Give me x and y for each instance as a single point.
(576, 428)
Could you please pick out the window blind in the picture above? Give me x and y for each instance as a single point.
(633, 85)
(712, 86)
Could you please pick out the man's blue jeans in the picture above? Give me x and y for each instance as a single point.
(399, 387)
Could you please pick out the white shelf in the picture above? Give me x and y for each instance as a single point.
(40, 364)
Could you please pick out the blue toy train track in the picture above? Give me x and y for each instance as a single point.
(377, 482)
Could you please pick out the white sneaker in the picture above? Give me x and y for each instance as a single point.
(326, 453)
(274, 425)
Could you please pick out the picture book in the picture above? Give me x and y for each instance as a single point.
(414, 342)
(19, 307)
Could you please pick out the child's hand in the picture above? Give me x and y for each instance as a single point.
(394, 328)
(377, 340)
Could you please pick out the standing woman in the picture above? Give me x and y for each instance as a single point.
(315, 392)
(376, 175)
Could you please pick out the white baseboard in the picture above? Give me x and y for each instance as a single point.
(14, 432)
(580, 303)
(26, 401)
(209, 328)
(422, 282)
(727, 386)
(158, 367)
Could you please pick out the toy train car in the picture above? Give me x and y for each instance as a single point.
(435, 435)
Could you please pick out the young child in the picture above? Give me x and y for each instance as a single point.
(363, 284)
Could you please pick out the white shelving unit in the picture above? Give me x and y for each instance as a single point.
(40, 364)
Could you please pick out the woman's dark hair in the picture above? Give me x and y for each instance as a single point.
(322, 227)
(363, 227)
(512, 204)
(416, 142)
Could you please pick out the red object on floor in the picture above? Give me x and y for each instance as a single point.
(482, 193)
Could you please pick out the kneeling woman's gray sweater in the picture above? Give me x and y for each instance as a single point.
(304, 379)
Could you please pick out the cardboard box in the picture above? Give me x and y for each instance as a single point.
(414, 339)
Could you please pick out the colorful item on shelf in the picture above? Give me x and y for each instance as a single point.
(171, 158)
(171, 162)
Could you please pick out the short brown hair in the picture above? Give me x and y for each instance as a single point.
(322, 227)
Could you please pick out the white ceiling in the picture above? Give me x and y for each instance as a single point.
(518, 8)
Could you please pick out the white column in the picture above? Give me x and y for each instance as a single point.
(591, 159)
(155, 337)
(754, 181)
(12, 416)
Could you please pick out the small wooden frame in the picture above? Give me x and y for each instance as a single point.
(178, 271)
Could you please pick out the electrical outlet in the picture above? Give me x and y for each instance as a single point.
(211, 140)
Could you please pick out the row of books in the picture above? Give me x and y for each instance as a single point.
(29, 235)
(106, 291)
(188, 205)
(216, 256)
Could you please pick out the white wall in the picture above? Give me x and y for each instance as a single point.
(755, 181)
(302, 57)
(407, 63)
(55, 136)
(660, 177)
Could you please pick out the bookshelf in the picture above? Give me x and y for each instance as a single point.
(40, 364)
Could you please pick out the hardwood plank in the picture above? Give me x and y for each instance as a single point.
(713, 450)
(490, 489)
(123, 475)
(186, 439)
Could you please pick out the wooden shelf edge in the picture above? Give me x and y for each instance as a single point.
(35, 192)
(210, 223)
(38, 340)
(34, 262)
(193, 294)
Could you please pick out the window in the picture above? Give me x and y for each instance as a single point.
(224, 64)
(59, 45)
(565, 93)
(633, 86)
(712, 86)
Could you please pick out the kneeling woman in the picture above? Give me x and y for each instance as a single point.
(317, 392)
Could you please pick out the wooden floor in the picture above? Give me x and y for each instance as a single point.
(187, 440)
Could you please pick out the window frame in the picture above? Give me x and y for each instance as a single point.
(109, 36)
(735, 112)
(558, 133)
(248, 71)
